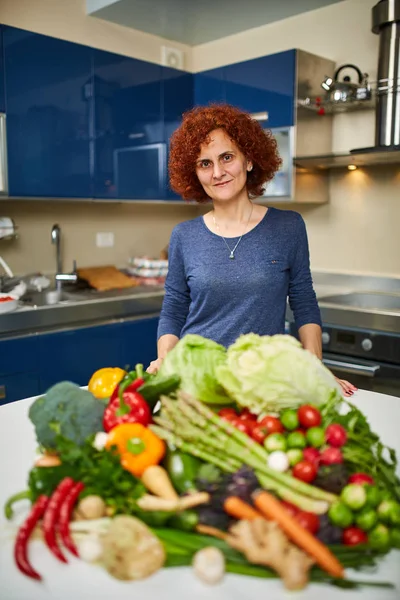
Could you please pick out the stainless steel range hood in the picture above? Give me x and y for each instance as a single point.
(386, 23)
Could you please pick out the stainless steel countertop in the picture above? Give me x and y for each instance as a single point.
(82, 310)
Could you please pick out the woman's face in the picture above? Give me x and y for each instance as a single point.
(222, 168)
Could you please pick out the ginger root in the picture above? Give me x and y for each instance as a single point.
(264, 543)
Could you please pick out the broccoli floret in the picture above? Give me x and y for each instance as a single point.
(66, 410)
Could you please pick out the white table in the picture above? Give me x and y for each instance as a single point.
(79, 580)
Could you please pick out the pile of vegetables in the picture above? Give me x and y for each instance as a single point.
(189, 466)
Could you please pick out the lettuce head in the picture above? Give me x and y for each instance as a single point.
(270, 373)
(195, 359)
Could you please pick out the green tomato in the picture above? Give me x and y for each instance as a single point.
(379, 537)
(289, 419)
(275, 441)
(296, 439)
(295, 455)
(316, 437)
(366, 519)
(395, 538)
(339, 514)
(389, 512)
(354, 496)
(373, 495)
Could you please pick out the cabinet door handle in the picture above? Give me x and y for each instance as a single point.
(353, 369)
(2, 392)
(3, 156)
(260, 116)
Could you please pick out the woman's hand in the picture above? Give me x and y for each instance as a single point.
(348, 388)
(154, 365)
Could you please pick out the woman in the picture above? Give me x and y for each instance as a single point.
(231, 271)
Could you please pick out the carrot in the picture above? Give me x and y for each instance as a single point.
(237, 508)
(271, 508)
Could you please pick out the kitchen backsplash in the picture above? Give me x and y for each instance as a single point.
(357, 231)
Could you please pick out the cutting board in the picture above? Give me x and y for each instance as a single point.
(105, 278)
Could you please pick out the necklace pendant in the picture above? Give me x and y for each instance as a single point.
(232, 256)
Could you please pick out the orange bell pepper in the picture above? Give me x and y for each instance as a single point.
(104, 381)
(137, 446)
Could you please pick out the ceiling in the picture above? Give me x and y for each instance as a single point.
(196, 22)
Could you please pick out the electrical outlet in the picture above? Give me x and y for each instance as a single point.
(104, 239)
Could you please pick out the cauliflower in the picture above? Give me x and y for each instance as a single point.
(66, 410)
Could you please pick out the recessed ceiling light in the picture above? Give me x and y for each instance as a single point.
(352, 167)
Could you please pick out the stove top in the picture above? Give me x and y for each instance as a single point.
(373, 301)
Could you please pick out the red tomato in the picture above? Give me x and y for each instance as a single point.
(312, 455)
(335, 435)
(272, 424)
(259, 433)
(331, 456)
(290, 508)
(308, 520)
(352, 536)
(246, 414)
(309, 416)
(361, 478)
(228, 414)
(305, 471)
(241, 425)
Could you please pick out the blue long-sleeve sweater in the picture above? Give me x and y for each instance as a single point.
(209, 294)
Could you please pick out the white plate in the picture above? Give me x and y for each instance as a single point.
(8, 306)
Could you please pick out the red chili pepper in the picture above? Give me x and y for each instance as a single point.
(51, 515)
(24, 533)
(131, 408)
(65, 517)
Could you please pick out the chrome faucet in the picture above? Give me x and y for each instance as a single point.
(56, 239)
(60, 276)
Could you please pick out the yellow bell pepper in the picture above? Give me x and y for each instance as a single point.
(104, 381)
(138, 447)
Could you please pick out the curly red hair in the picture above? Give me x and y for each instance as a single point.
(257, 144)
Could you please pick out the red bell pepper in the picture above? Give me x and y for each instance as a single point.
(127, 407)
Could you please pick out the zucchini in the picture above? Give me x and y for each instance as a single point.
(182, 469)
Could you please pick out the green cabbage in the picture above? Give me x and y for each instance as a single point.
(194, 359)
(270, 373)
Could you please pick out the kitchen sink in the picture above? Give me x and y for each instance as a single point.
(365, 300)
(50, 298)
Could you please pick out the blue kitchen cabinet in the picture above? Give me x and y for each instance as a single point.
(48, 115)
(138, 342)
(209, 86)
(2, 87)
(178, 97)
(129, 148)
(18, 355)
(74, 355)
(19, 368)
(18, 387)
(265, 84)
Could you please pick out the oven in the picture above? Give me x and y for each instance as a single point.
(369, 359)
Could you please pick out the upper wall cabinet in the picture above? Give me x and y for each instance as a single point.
(261, 85)
(2, 88)
(265, 84)
(129, 149)
(48, 115)
(209, 86)
(177, 99)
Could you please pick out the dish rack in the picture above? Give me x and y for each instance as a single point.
(147, 267)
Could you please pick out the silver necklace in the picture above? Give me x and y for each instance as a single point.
(232, 250)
